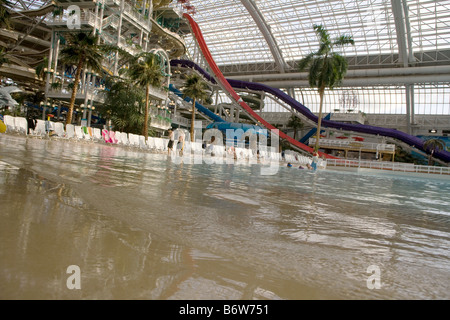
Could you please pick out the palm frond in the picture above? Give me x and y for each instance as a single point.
(146, 70)
(306, 61)
(326, 67)
(322, 34)
(343, 41)
(195, 88)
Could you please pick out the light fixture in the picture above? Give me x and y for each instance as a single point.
(433, 131)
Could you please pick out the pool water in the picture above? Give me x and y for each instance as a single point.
(140, 226)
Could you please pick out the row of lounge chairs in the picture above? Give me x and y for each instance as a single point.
(56, 130)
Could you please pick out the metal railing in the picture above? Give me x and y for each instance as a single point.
(130, 47)
(391, 166)
(136, 16)
(354, 144)
(86, 17)
(180, 120)
(112, 21)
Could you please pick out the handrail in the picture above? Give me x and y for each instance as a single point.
(85, 18)
(391, 166)
(354, 144)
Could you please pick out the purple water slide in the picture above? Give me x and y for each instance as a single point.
(410, 140)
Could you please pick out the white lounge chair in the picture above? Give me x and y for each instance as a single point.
(122, 138)
(59, 129)
(70, 131)
(134, 139)
(79, 134)
(165, 143)
(10, 123)
(21, 125)
(142, 143)
(97, 134)
(158, 144)
(151, 143)
(40, 131)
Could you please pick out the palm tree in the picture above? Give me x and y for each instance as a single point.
(194, 88)
(296, 124)
(431, 146)
(145, 71)
(326, 67)
(83, 50)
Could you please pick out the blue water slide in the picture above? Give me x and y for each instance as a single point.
(224, 126)
(199, 107)
(313, 131)
(410, 140)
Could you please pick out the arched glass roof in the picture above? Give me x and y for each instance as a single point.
(379, 28)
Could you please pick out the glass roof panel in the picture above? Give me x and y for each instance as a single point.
(233, 37)
(369, 22)
(430, 24)
(230, 32)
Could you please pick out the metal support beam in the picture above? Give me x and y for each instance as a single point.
(400, 27)
(408, 108)
(49, 67)
(394, 75)
(119, 32)
(257, 16)
(411, 58)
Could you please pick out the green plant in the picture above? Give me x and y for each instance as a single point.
(56, 85)
(5, 15)
(84, 51)
(433, 145)
(144, 71)
(124, 105)
(194, 88)
(57, 12)
(326, 67)
(296, 124)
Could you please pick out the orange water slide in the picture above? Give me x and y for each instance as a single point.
(226, 86)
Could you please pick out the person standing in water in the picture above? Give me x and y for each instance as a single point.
(171, 141)
(210, 148)
(180, 145)
(315, 160)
